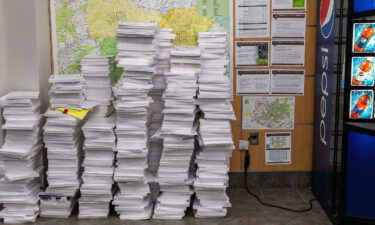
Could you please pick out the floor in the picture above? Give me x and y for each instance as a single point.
(245, 210)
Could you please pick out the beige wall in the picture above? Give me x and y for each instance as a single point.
(24, 47)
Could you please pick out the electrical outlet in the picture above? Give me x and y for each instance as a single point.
(254, 138)
(244, 145)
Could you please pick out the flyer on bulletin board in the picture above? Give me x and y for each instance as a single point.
(278, 148)
(264, 112)
(252, 53)
(289, 5)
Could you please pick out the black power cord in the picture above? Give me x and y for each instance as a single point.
(247, 164)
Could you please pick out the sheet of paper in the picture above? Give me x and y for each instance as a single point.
(252, 53)
(278, 148)
(253, 82)
(288, 5)
(288, 53)
(288, 25)
(252, 18)
(264, 112)
(288, 82)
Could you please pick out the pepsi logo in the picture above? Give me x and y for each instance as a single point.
(327, 17)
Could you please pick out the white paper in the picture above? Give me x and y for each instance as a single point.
(288, 25)
(252, 53)
(288, 53)
(253, 82)
(288, 5)
(252, 18)
(278, 148)
(291, 82)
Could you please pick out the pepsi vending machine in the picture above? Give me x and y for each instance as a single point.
(357, 194)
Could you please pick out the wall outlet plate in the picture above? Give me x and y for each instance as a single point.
(254, 138)
(244, 145)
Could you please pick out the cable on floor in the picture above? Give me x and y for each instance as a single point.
(247, 164)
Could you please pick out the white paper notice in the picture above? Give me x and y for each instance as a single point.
(288, 5)
(252, 18)
(288, 25)
(278, 148)
(290, 82)
(252, 53)
(253, 82)
(288, 53)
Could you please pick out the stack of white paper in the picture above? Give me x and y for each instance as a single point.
(97, 186)
(63, 139)
(156, 107)
(178, 130)
(66, 91)
(216, 142)
(186, 58)
(20, 157)
(96, 70)
(137, 47)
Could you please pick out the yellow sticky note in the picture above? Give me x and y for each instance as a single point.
(80, 114)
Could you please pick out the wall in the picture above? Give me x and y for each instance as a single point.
(25, 57)
(302, 135)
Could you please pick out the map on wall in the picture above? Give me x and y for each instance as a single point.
(268, 112)
(81, 27)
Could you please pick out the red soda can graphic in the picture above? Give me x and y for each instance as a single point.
(360, 106)
(366, 35)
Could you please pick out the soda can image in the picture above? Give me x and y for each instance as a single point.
(361, 104)
(363, 71)
(363, 38)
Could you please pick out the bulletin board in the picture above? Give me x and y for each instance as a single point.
(302, 133)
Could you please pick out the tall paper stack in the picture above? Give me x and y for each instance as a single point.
(97, 186)
(97, 73)
(175, 176)
(63, 139)
(156, 142)
(21, 157)
(215, 130)
(137, 47)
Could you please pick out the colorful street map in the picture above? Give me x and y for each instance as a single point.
(268, 112)
(81, 27)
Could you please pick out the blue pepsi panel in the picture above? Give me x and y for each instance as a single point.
(363, 5)
(360, 176)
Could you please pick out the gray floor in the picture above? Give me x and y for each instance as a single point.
(245, 210)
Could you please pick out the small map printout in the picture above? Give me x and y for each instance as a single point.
(268, 113)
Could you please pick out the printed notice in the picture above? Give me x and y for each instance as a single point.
(278, 148)
(253, 82)
(264, 112)
(290, 82)
(252, 18)
(252, 53)
(288, 5)
(288, 25)
(288, 53)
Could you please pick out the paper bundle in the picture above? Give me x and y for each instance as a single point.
(163, 57)
(63, 140)
(97, 186)
(20, 157)
(216, 142)
(66, 91)
(175, 174)
(96, 70)
(137, 45)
